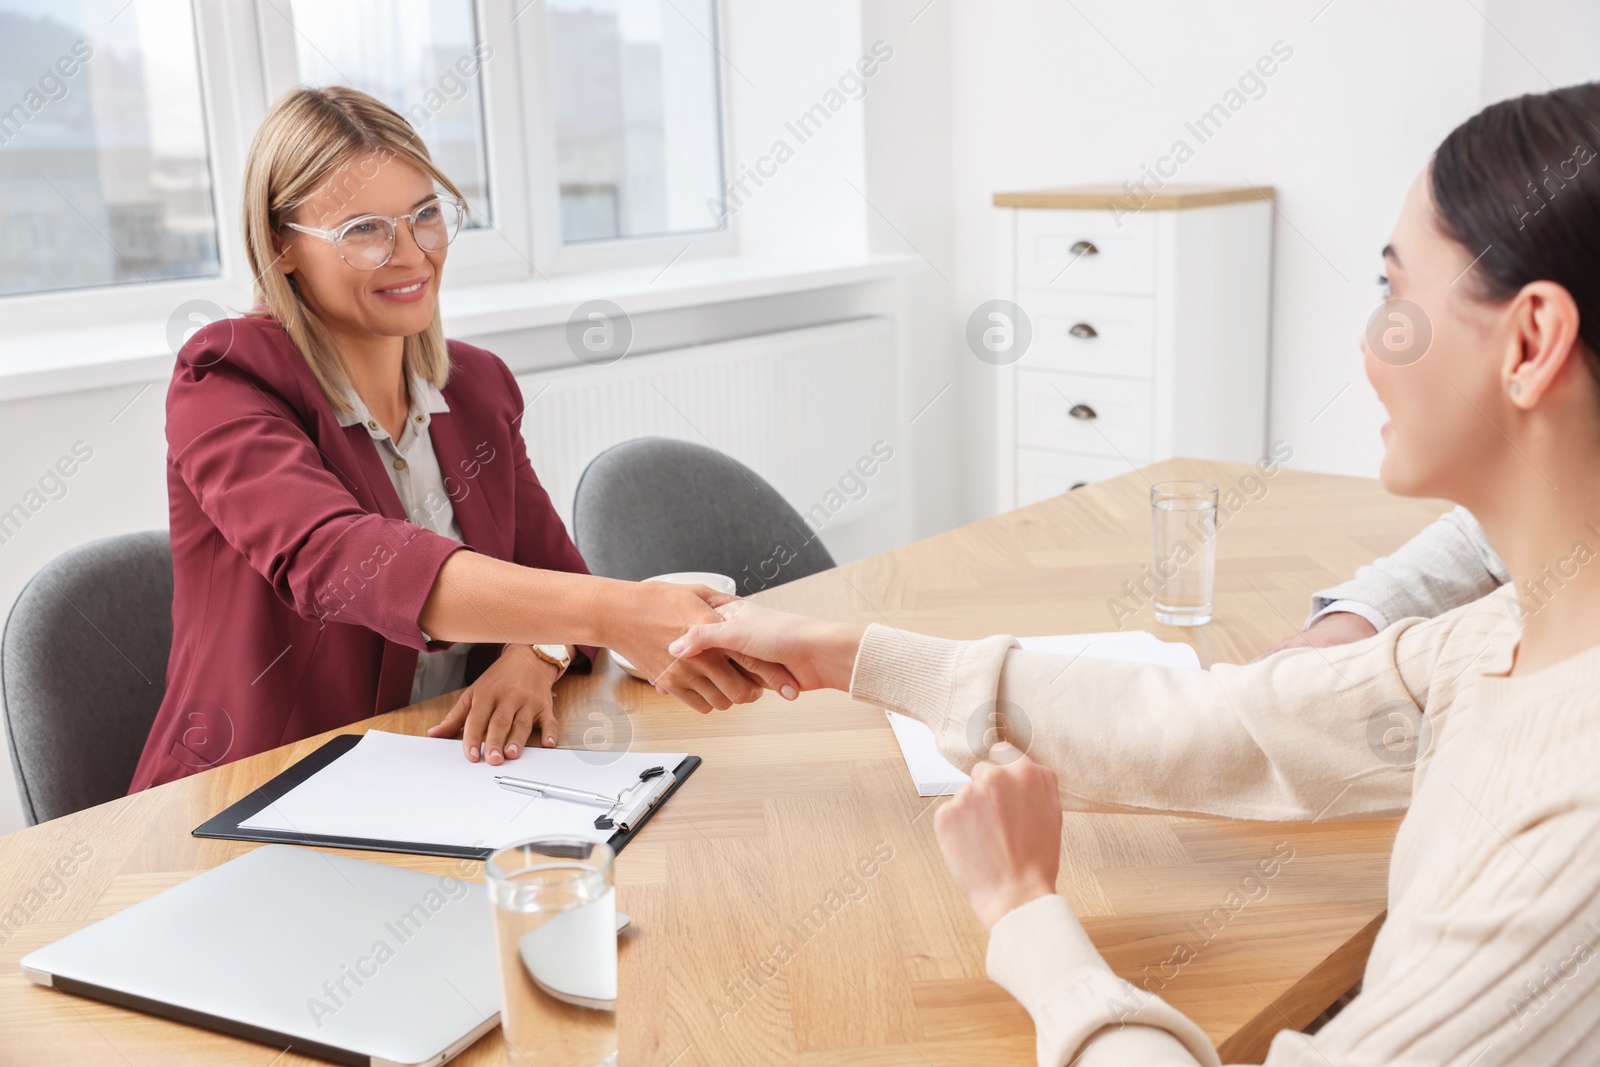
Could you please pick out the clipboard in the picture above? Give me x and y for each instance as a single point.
(226, 824)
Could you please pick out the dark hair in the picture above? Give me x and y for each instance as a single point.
(1519, 182)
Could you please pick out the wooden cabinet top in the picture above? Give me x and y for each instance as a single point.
(1170, 197)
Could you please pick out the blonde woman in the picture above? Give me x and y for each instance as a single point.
(1488, 955)
(355, 522)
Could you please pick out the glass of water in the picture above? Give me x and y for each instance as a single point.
(1183, 550)
(555, 918)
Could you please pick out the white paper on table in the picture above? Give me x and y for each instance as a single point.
(399, 787)
(935, 776)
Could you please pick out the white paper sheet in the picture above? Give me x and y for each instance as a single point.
(399, 787)
(935, 776)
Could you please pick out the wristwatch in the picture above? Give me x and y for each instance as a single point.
(556, 654)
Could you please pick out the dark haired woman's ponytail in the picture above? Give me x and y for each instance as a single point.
(1519, 185)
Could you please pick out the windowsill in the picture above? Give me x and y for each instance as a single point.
(68, 361)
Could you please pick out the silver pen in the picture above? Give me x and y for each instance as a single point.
(559, 792)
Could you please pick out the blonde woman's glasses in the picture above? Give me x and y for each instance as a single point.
(367, 243)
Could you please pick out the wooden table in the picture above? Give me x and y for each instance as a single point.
(764, 846)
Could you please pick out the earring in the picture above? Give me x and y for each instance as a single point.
(1516, 388)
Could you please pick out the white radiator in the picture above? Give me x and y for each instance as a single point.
(804, 408)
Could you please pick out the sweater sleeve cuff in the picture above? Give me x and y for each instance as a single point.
(949, 685)
(1040, 954)
(1321, 605)
(906, 672)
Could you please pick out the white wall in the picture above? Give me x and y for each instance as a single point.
(1041, 93)
(908, 154)
(876, 178)
(1540, 44)
(785, 60)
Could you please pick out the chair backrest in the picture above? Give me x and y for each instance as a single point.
(653, 505)
(83, 668)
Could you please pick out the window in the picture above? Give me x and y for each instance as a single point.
(637, 135)
(422, 58)
(583, 133)
(105, 177)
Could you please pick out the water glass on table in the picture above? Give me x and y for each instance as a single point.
(555, 915)
(1183, 550)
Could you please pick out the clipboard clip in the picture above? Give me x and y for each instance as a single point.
(635, 801)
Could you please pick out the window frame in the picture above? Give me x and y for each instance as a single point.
(230, 106)
(552, 254)
(245, 57)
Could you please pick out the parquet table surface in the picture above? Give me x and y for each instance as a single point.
(790, 905)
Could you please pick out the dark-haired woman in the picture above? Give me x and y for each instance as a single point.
(1488, 955)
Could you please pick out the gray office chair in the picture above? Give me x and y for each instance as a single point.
(653, 505)
(83, 667)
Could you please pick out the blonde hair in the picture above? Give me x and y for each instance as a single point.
(304, 152)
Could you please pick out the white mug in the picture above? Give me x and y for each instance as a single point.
(711, 579)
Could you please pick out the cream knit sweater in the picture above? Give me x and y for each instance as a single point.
(1488, 953)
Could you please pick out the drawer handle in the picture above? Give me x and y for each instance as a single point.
(1084, 330)
(1076, 485)
(1085, 248)
(1082, 411)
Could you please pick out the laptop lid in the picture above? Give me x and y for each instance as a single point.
(324, 954)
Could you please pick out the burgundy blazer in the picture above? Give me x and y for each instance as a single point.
(297, 579)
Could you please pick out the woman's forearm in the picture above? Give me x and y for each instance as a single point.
(1289, 737)
(481, 599)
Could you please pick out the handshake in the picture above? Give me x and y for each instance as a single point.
(706, 648)
(712, 650)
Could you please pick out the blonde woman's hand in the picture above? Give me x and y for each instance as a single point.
(510, 703)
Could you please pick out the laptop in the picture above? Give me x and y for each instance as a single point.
(320, 954)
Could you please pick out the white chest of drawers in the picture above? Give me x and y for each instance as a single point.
(1149, 332)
